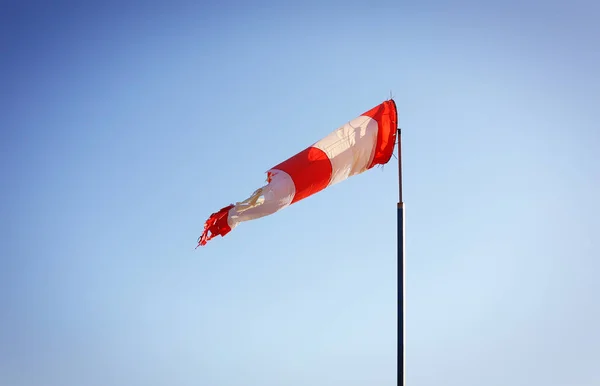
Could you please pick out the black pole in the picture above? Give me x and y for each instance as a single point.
(401, 286)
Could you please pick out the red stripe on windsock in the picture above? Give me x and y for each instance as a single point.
(310, 170)
(386, 116)
(216, 225)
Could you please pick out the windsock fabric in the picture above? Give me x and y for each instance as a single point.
(357, 146)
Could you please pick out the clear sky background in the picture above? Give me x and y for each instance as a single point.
(125, 125)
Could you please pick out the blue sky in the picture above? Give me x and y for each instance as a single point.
(125, 125)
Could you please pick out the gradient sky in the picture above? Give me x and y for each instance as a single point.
(125, 125)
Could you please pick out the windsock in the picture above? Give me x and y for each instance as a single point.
(357, 146)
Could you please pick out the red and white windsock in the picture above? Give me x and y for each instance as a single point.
(353, 148)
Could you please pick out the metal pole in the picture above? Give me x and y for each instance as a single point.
(401, 286)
